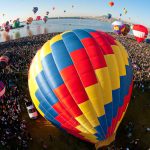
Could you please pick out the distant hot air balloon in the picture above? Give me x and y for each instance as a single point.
(2, 89)
(45, 19)
(109, 16)
(29, 20)
(64, 11)
(47, 13)
(38, 18)
(140, 32)
(35, 9)
(16, 23)
(53, 8)
(88, 102)
(120, 14)
(127, 29)
(6, 27)
(3, 61)
(72, 6)
(125, 11)
(118, 27)
(147, 41)
(111, 3)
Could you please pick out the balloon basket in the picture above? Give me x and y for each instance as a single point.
(106, 142)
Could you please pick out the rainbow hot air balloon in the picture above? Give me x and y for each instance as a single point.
(81, 81)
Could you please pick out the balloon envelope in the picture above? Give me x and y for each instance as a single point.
(140, 32)
(126, 30)
(111, 3)
(38, 18)
(109, 16)
(35, 9)
(118, 27)
(2, 89)
(88, 102)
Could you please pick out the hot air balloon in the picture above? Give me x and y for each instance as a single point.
(109, 16)
(64, 11)
(147, 41)
(118, 27)
(2, 89)
(125, 11)
(87, 102)
(35, 9)
(29, 20)
(3, 61)
(111, 3)
(16, 23)
(47, 13)
(38, 18)
(6, 27)
(53, 8)
(120, 14)
(140, 32)
(45, 19)
(126, 30)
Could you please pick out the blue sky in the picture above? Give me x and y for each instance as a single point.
(138, 10)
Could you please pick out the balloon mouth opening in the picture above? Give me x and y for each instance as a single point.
(106, 142)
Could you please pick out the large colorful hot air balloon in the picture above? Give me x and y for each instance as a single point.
(81, 81)
(35, 9)
(2, 89)
(118, 27)
(111, 3)
(140, 32)
(127, 29)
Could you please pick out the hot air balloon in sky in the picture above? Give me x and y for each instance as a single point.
(47, 13)
(29, 20)
(140, 32)
(45, 19)
(111, 4)
(35, 9)
(118, 27)
(2, 89)
(87, 102)
(38, 18)
(126, 30)
(109, 16)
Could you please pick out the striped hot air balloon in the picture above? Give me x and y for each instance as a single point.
(81, 81)
(140, 32)
(2, 89)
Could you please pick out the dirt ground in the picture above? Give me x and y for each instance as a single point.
(138, 112)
